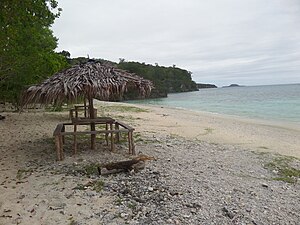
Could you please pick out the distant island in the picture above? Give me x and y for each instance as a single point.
(234, 85)
(201, 86)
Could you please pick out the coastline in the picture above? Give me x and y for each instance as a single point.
(253, 134)
(209, 170)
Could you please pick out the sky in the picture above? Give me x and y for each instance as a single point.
(248, 42)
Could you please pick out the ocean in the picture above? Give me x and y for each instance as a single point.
(270, 102)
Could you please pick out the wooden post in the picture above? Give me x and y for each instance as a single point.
(62, 156)
(84, 104)
(93, 127)
(130, 143)
(63, 137)
(75, 140)
(76, 112)
(118, 133)
(112, 144)
(106, 134)
(57, 144)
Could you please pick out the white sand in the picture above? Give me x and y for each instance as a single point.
(22, 139)
(256, 135)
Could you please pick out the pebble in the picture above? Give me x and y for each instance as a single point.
(191, 183)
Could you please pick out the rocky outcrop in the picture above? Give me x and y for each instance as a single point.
(200, 86)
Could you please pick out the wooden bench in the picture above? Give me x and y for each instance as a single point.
(130, 129)
(74, 113)
(60, 132)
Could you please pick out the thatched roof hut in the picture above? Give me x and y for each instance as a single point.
(89, 80)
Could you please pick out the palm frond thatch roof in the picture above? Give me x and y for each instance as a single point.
(89, 80)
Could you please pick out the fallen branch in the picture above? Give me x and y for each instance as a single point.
(135, 164)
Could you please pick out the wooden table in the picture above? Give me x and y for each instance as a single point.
(112, 127)
(108, 121)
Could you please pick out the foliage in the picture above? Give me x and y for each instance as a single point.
(27, 45)
(285, 171)
(165, 79)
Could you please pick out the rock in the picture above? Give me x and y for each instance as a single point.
(56, 206)
(123, 215)
(228, 213)
(150, 189)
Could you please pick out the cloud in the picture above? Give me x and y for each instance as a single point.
(220, 41)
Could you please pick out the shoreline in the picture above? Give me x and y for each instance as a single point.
(288, 124)
(269, 122)
(253, 134)
(201, 175)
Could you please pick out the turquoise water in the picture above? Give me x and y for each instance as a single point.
(272, 102)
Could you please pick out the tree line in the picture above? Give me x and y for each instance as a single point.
(165, 79)
(27, 45)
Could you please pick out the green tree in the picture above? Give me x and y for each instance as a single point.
(27, 45)
(165, 79)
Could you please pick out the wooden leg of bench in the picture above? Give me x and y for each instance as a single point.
(93, 136)
(106, 134)
(118, 133)
(62, 156)
(132, 145)
(75, 140)
(63, 137)
(57, 145)
(112, 143)
(129, 143)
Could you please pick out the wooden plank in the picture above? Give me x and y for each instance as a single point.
(95, 132)
(58, 129)
(125, 125)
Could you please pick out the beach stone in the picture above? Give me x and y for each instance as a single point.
(150, 189)
(57, 205)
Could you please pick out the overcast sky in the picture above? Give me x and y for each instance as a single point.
(249, 42)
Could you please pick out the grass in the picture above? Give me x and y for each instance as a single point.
(207, 131)
(57, 108)
(132, 205)
(119, 201)
(80, 187)
(95, 185)
(91, 169)
(285, 171)
(122, 108)
(72, 221)
(138, 138)
(23, 172)
(98, 185)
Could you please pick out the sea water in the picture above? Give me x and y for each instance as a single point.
(271, 102)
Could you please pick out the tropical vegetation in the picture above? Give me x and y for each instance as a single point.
(27, 53)
(27, 45)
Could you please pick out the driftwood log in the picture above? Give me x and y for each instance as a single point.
(135, 164)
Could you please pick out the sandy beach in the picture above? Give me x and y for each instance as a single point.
(257, 135)
(210, 169)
